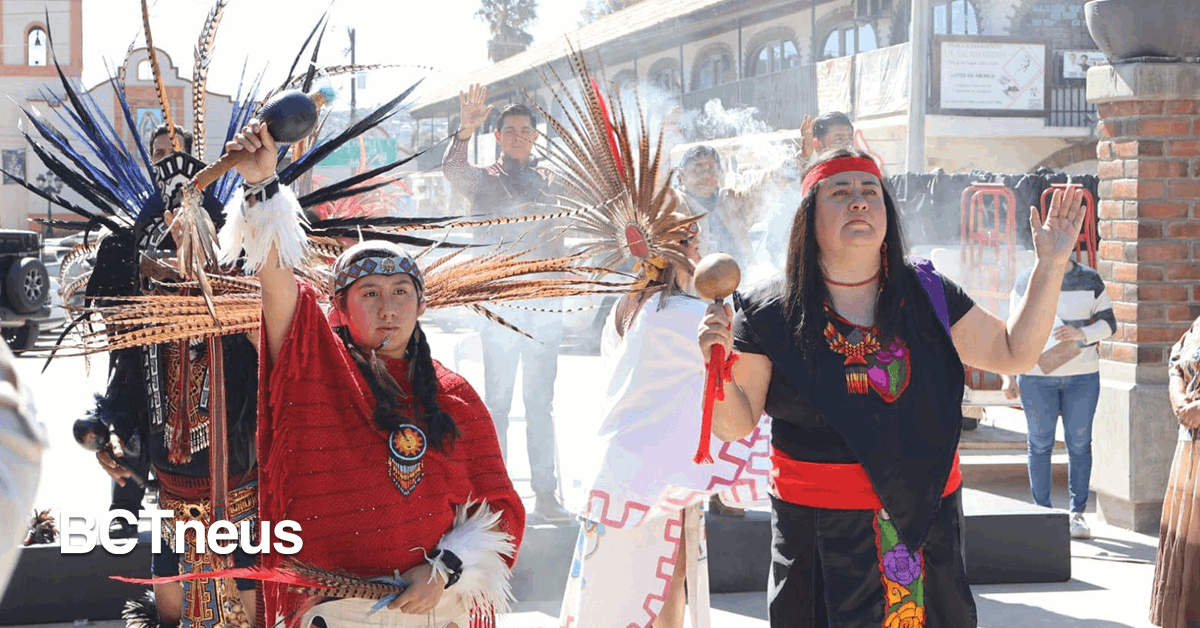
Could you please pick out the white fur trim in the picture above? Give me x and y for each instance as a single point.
(277, 221)
(484, 584)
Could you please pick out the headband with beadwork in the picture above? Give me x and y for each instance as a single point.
(378, 265)
(839, 165)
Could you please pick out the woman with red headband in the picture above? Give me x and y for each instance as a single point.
(857, 355)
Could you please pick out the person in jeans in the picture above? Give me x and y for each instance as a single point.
(1065, 382)
(516, 185)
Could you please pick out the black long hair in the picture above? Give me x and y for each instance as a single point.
(804, 283)
(390, 410)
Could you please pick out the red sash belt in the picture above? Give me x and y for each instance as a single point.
(837, 486)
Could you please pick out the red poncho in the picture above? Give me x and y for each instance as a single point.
(325, 465)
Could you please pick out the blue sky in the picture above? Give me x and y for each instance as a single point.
(443, 35)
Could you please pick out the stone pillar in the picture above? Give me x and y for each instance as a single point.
(1149, 210)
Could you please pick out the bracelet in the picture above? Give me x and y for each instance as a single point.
(453, 565)
(262, 191)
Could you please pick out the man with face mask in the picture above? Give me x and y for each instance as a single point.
(516, 186)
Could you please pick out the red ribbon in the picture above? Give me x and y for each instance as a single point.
(718, 371)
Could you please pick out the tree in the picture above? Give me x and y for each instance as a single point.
(596, 9)
(509, 22)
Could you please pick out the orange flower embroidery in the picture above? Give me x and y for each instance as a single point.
(895, 592)
(908, 616)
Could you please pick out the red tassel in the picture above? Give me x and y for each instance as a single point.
(612, 135)
(718, 371)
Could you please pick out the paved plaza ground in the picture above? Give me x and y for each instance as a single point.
(1111, 572)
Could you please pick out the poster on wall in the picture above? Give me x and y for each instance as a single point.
(993, 76)
(881, 81)
(148, 119)
(13, 161)
(833, 85)
(1077, 62)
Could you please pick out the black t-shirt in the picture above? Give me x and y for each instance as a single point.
(796, 421)
(903, 430)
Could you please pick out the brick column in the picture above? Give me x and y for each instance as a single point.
(1149, 210)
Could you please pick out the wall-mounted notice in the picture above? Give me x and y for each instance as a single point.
(990, 75)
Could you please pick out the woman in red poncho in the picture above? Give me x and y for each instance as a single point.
(387, 460)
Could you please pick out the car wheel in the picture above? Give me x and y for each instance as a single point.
(21, 338)
(26, 285)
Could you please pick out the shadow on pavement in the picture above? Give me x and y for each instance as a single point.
(752, 605)
(994, 614)
(1117, 550)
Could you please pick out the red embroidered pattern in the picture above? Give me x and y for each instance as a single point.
(868, 365)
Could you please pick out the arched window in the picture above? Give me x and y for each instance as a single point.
(954, 17)
(145, 72)
(849, 38)
(774, 56)
(664, 74)
(713, 69)
(37, 46)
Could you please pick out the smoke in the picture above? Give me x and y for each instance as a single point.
(714, 121)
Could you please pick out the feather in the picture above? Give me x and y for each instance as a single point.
(610, 164)
(496, 318)
(483, 548)
(339, 70)
(324, 149)
(160, 87)
(203, 55)
(319, 27)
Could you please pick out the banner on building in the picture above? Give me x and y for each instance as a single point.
(833, 85)
(881, 81)
(982, 76)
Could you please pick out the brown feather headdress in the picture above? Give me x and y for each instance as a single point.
(610, 169)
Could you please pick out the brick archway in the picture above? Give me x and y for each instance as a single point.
(1068, 156)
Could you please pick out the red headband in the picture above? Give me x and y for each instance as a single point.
(834, 166)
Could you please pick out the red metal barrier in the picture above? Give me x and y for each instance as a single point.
(989, 255)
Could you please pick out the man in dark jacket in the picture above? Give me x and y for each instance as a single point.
(514, 186)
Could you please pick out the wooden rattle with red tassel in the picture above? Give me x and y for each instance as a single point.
(717, 275)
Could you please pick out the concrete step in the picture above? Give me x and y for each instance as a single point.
(1004, 465)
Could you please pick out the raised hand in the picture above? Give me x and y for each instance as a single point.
(1054, 239)
(255, 139)
(471, 110)
(807, 145)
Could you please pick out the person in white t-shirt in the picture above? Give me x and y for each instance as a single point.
(1065, 382)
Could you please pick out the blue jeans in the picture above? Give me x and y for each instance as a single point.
(1074, 397)
(502, 349)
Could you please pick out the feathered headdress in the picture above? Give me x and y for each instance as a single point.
(610, 168)
(124, 194)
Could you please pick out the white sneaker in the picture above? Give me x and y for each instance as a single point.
(1079, 527)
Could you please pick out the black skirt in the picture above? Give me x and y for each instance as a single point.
(829, 569)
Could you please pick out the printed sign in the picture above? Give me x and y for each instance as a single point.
(1076, 62)
(998, 76)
